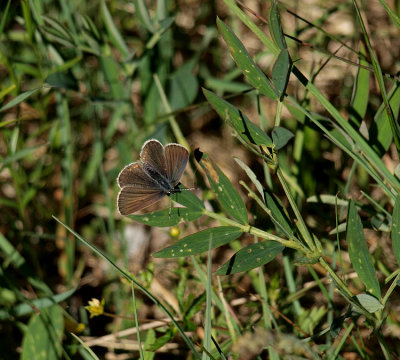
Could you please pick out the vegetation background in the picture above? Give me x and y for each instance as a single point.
(83, 84)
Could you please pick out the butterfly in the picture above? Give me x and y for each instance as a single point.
(157, 174)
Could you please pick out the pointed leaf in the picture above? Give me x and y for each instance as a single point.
(275, 26)
(62, 80)
(396, 229)
(358, 252)
(359, 99)
(281, 137)
(370, 303)
(199, 242)
(18, 99)
(281, 72)
(164, 218)
(143, 15)
(113, 32)
(278, 215)
(227, 195)
(252, 176)
(248, 131)
(380, 132)
(250, 257)
(245, 63)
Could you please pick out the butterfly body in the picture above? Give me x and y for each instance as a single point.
(156, 175)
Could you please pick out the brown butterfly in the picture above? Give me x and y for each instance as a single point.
(157, 174)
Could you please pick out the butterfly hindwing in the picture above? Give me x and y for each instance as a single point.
(177, 157)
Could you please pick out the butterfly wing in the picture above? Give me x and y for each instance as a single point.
(135, 198)
(138, 190)
(133, 174)
(177, 157)
(153, 154)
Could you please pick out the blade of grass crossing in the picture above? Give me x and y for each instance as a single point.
(207, 329)
(137, 321)
(86, 348)
(127, 276)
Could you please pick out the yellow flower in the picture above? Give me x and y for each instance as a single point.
(95, 307)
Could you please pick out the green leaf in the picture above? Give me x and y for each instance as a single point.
(281, 72)
(30, 307)
(275, 26)
(161, 341)
(164, 218)
(243, 60)
(278, 215)
(252, 176)
(62, 80)
(58, 29)
(43, 336)
(369, 303)
(19, 155)
(359, 100)
(280, 137)
(150, 340)
(248, 131)
(143, 15)
(396, 229)
(227, 195)
(111, 73)
(18, 99)
(250, 257)
(358, 252)
(186, 198)
(10, 253)
(198, 242)
(184, 86)
(380, 132)
(112, 31)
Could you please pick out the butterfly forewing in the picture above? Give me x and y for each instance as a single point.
(177, 157)
(134, 198)
(153, 154)
(132, 175)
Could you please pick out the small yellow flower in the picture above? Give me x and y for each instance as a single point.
(95, 307)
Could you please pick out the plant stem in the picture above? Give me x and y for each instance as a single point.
(303, 228)
(254, 231)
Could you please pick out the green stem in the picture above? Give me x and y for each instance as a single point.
(278, 113)
(174, 125)
(254, 231)
(302, 226)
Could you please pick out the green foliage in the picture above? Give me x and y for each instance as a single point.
(250, 257)
(84, 85)
(43, 335)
